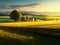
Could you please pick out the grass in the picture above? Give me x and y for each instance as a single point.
(30, 33)
(27, 36)
(4, 17)
(9, 38)
(34, 24)
(45, 26)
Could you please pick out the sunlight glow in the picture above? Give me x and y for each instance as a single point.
(44, 7)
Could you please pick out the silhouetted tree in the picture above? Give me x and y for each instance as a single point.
(15, 15)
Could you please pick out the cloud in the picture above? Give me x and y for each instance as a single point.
(36, 7)
(42, 7)
(31, 7)
(12, 7)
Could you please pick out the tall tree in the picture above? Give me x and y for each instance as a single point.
(15, 15)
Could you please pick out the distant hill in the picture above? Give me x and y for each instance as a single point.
(4, 13)
(32, 13)
(41, 13)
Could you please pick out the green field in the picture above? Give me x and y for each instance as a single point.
(4, 17)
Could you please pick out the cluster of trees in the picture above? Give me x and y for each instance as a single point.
(17, 16)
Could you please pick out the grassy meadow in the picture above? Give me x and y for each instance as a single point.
(30, 33)
(28, 36)
(4, 17)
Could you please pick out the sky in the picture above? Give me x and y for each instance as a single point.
(30, 5)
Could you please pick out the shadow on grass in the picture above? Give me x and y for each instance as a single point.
(39, 37)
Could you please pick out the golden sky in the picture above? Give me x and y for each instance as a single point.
(42, 8)
(31, 5)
